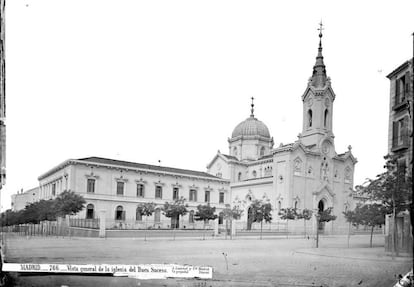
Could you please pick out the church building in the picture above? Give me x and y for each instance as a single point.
(307, 173)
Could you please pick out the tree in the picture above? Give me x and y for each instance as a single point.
(68, 203)
(369, 215)
(39, 211)
(306, 215)
(146, 209)
(174, 210)
(350, 216)
(205, 213)
(286, 214)
(232, 213)
(262, 211)
(322, 217)
(392, 189)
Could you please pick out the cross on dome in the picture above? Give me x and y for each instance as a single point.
(252, 109)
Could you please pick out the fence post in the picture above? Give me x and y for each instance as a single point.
(233, 228)
(102, 224)
(216, 226)
(67, 226)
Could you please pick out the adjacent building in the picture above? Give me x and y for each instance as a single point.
(21, 199)
(2, 100)
(400, 127)
(400, 145)
(117, 188)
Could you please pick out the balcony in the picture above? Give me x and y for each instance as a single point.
(399, 143)
(400, 102)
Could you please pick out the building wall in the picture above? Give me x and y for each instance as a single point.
(398, 112)
(20, 200)
(252, 189)
(220, 168)
(105, 195)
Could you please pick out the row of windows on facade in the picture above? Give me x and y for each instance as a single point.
(158, 191)
(120, 214)
(266, 172)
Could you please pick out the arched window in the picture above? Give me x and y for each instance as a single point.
(138, 214)
(119, 213)
(191, 217)
(254, 173)
(239, 176)
(235, 151)
(321, 206)
(157, 215)
(309, 118)
(279, 205)
(325, 119)
(89, 211)
(262, 151)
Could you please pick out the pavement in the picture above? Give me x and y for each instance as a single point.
(273, 261)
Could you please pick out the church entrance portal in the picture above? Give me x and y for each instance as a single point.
(249, 218)
(321, 207)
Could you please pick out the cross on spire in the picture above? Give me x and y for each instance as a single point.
(252, 109)
(320, 29)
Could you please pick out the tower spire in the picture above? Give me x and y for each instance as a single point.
(252, 108)
(319, 70)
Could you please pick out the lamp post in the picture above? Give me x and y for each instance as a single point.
(318, 217)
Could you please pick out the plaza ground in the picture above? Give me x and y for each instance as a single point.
(273, 261)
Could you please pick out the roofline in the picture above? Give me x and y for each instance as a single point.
(401, 67)
(85, 162)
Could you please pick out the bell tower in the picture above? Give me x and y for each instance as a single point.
(318, 101)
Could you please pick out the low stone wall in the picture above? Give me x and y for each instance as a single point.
(83, 232)
(159, 233)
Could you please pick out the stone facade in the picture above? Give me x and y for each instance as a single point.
(400, 125)
(20, 200)
(307, 173)
(118, 187)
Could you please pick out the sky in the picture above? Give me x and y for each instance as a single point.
(144, 81)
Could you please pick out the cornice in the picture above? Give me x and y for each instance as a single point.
(110, 166)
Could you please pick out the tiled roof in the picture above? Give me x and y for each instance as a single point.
(108, 161)
(251, 127)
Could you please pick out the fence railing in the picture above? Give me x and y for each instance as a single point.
(84, 223)
(131, 224)
(44, 228)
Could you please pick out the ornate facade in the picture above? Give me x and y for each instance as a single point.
(307, 173)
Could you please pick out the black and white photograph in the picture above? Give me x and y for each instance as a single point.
(206, 143)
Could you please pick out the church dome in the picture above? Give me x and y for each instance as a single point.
(251, 127)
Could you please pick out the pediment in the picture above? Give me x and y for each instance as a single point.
(324, 189)
(216, 157)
